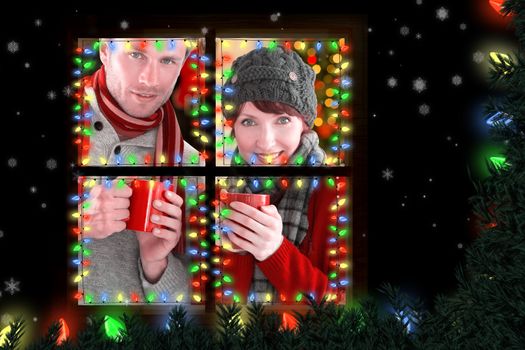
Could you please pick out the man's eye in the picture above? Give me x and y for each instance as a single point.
(168, 61)
(247, 122)
(136, 55)
(283, 120)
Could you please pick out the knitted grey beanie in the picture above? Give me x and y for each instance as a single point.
(277, 75)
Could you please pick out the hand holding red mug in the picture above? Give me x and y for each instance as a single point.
(257, 231)
(108, 210)
(155, 246)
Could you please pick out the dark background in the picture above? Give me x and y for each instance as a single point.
(419, 220)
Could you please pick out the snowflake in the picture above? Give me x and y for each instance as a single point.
(478, 57)
(33, 189)
(424, 109)
(51, 95)
(457, 80)
(12, 286)
(418, 36)
(51, 164)
(419, 85)
(419, 2)
(388, 174)
(13, 46)
(204, 30)
(391, 52)
(392, 82)
(442, 13)
(67, 91)
(35, 319)
(370, 30)
(460, 246)
(124, 25)
(43, 205)
(462, 26)
(11, 162)
(434, 225)
(27, 65)
(274, 17)
(404, 31)
(38, 22)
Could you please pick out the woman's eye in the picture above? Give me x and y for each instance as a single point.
(247, 122)
(136, 55)
(283, 120)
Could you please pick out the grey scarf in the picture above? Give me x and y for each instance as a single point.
(292, 204)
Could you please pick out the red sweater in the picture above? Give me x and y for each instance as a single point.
(292, 270)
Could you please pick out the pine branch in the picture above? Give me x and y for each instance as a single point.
(13, 338)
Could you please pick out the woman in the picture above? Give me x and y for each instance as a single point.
(284, 245)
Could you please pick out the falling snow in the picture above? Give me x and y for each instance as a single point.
(51, 95)
(38, 22)
(434, 225)
(442, 13)
(424, 109)
(35, 319)
(43, 205)
(27, 65)
(388, 174)
(460, 245)
(11, 162)
(33, 189)
(462, 26)
(419, 2)
(419, 85)
(1, 234)
(13, 46)
(392, 82)
(12, 286)
(67, 91)
(124, 25)
(404, 30)
(418, 36)
(51, 164)
(204, 30)
(391, 52)
(457, 80)
(275, 16)
(478, 57)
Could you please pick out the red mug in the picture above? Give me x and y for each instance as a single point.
(144, 192)
(254, 200)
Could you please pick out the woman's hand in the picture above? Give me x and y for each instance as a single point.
(155, 247)
(108, 210)
(259, 232)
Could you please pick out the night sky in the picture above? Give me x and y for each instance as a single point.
(427, 64)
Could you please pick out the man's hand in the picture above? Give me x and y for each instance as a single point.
(108, 210)
(155, 246)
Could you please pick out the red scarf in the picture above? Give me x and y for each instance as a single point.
(169, 139)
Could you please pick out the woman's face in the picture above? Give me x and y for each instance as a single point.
(267, 138)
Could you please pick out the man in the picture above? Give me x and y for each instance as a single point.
(134, 123)
(133, 120)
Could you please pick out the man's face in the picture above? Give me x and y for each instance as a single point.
(140, 76)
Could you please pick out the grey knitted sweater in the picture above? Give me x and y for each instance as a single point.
(116, 269)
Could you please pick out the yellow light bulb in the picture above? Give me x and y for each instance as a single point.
(268, 297)
(85, 161)
(120, 297)
(299, 183)
(197, 298)
(193, 235)
(162, 158)
(228, 107)
(333, 252)
(341, 201)
(240, 183)
(3, 335)
(180, 297)
(75, 215)
(103, 161)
